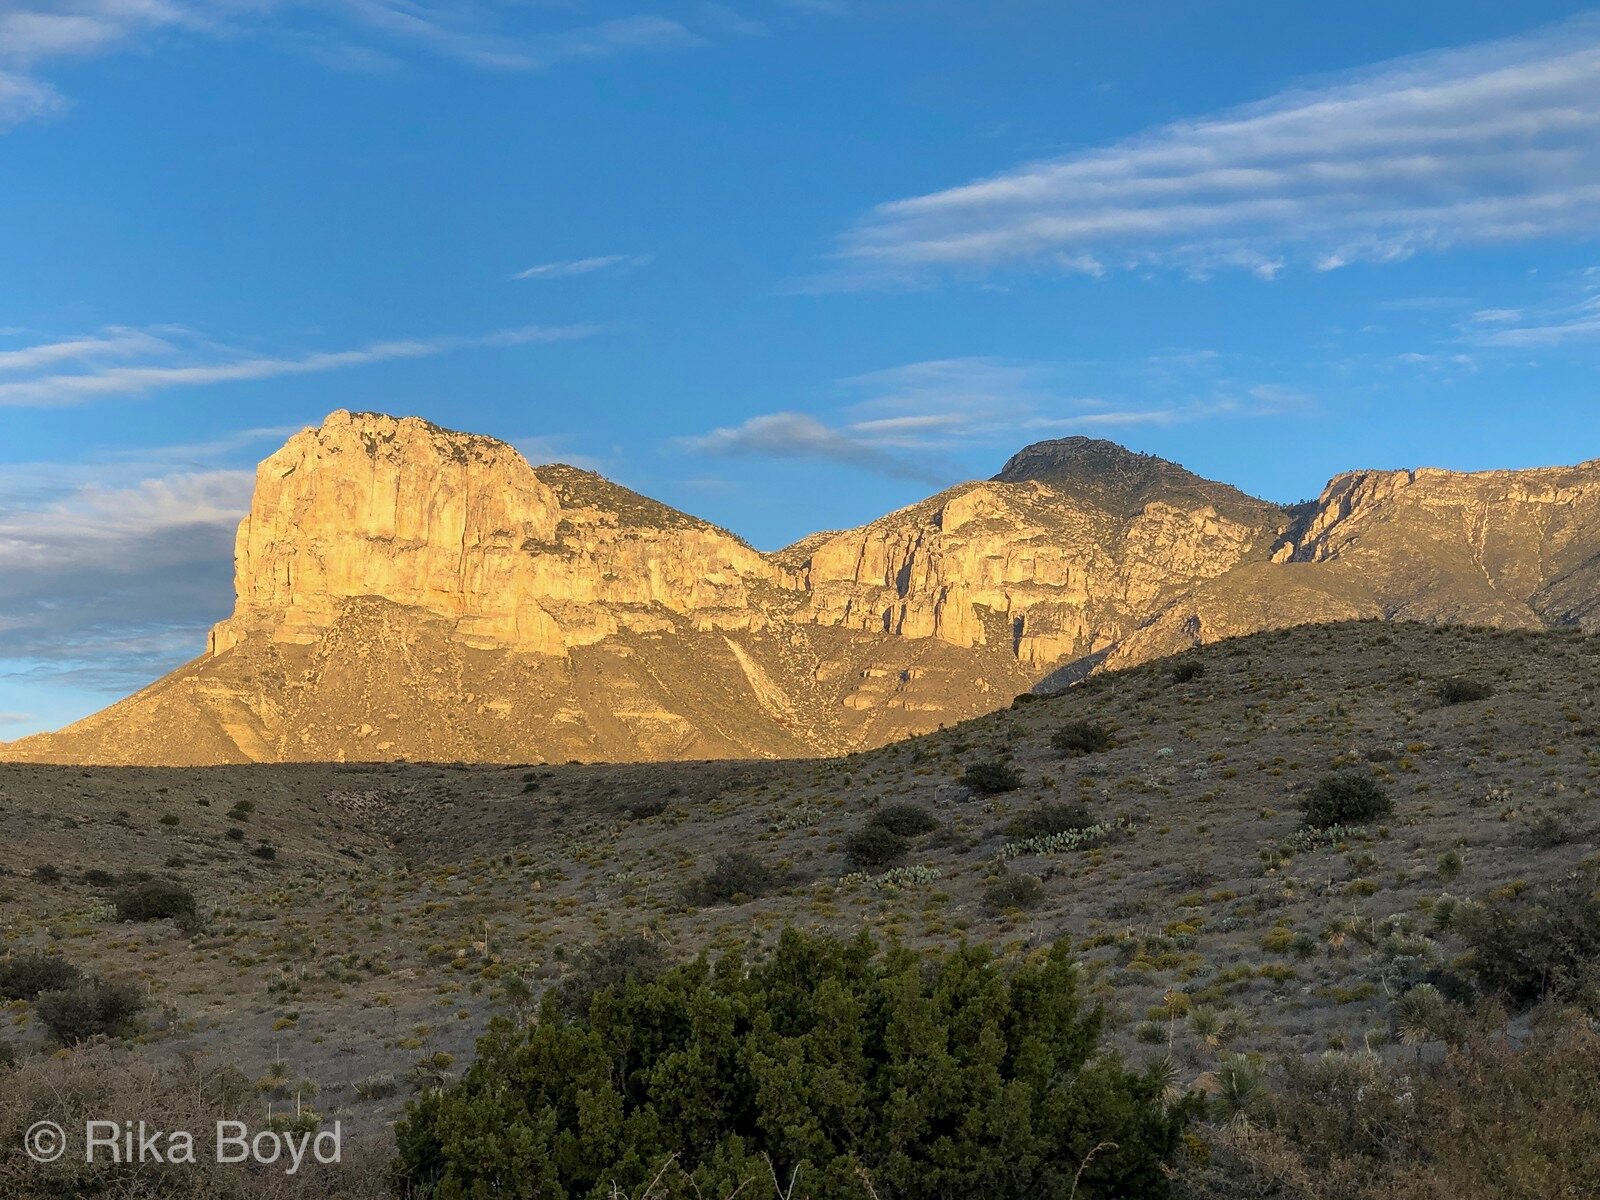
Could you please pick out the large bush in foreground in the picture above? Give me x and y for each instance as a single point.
(917, 1077)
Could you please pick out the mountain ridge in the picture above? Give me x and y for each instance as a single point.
(409, 591)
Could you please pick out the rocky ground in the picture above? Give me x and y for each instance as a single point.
(361, 923)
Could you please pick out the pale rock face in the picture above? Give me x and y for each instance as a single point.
(462, 527)
(372, 506)
(1425, 539)
(1063, 576)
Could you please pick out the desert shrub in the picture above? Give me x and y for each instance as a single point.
(1186, 671)
(377, 1086)
(95, 877)
(47, 873)
(643, 810)
(154, 900)
(1463, 691)
(112, 1081)
(875, 845)
(1013, 890)
(935, 1076)
(1345, 1127)
(908, 820)
(26, 975)
(1080, 738)
(609, 965)
(991, 777)
(735, 874)
(266, 851)
(89, 1008)
(1542, 941)
(1048, 819)
(1345, 798)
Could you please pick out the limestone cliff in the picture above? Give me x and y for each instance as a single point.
(404, 591)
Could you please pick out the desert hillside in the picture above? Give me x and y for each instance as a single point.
(356, 918)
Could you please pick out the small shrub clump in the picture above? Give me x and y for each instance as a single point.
(90, 1008)
(735, 875)
(155, 900)
(1081, 738)
(1014, 890)
(1048, 819)
(1187, 671)
(1460, 690)
(1345, 798)
(991, 778)
(25, 976)
(907, 820)
(875, 845)
(1542, 941)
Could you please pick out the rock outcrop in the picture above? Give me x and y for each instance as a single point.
(404, 591)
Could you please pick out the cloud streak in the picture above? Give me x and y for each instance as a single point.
(1498, 142)
(908, 421)
(566, 268)
(56, 389)
(482, 33)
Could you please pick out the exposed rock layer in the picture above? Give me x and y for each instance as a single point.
(407, 591)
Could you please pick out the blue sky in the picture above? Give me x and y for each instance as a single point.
(786, 265)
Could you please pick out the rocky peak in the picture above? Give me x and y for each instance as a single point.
(1122, 481)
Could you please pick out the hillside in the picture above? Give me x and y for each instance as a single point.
(402, 905)
(408, 592)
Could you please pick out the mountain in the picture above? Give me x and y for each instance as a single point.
(406, 591)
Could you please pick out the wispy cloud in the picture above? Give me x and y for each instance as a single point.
(1491, 143)
(106, 374)
(565, 268)
(1573, 317)
(907, 422)
(797, 435)
(363, 35)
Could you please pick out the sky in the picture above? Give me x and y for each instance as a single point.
(784, 264)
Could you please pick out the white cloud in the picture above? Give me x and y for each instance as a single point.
(495, 34)
(1491, 143)
(1571, 313)
(908, 421)
(797, 435)
(200, 366)
(565, 268)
